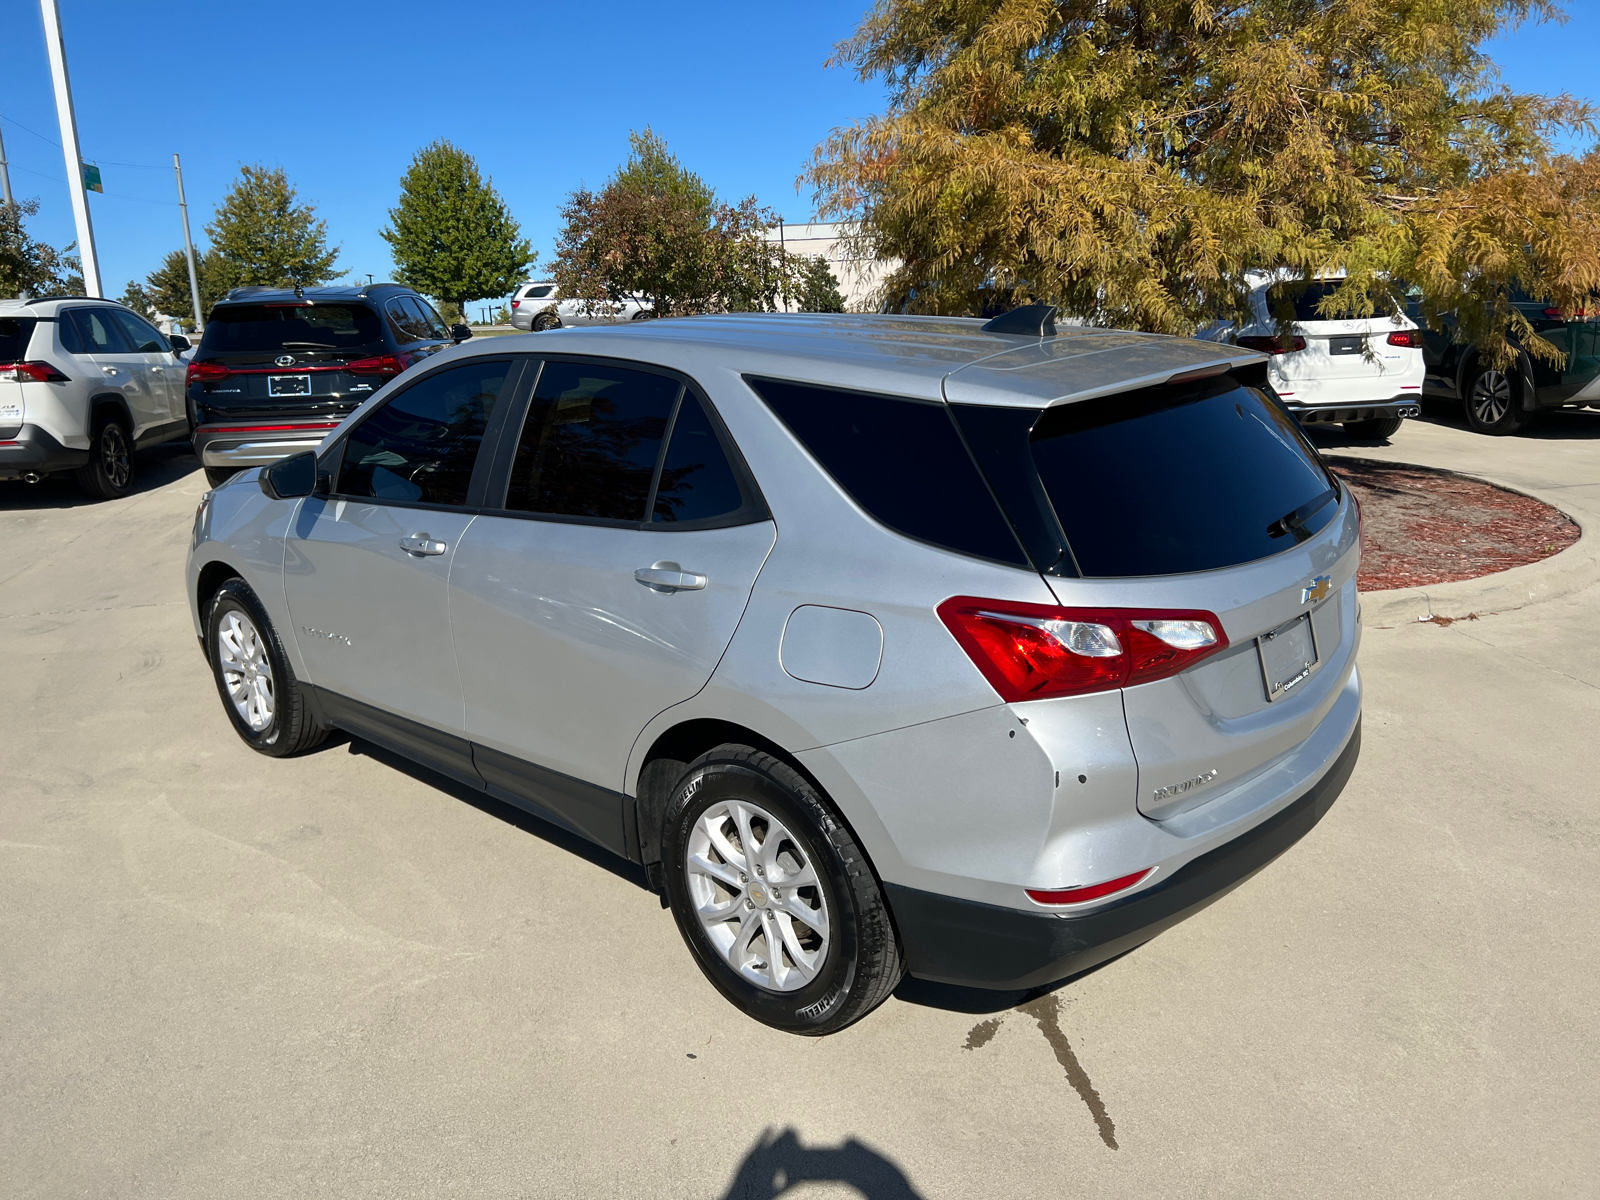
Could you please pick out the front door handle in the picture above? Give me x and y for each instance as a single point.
(422, 545)
(669, 577)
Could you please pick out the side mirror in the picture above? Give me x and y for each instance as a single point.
(178, 342)
(460, 332)
(291, 477)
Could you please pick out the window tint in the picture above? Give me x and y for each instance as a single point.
(1165, 480)
(590, 442)
(94, 332)
(270, 329)
(15, 333)
(538, 293)
(427, 320)
(697, 482)
(141, 335)
(902, 461)
(421, 445)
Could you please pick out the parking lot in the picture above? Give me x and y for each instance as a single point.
(340, 975)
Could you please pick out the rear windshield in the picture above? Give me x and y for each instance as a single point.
(1302, 300)
(15, 332)
(241, 328)
(1162, 481)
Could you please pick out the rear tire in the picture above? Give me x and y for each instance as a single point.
(546, 321)
(1494, 402)
(1375, 429)
(266, 704)
(217, 476)
(799, 880)
(108, 475)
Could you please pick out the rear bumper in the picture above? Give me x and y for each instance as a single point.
(1330, 414)
(30, 450)
(949, 940)
(218, 446)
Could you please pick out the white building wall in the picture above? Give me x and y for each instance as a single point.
(858, 277)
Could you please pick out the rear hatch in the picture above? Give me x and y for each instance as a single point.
(293, 359)
(1202, 497)
(1343, 349)
(15, 334)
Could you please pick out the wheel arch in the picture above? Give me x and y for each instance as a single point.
(116, 405)
(1528, 388)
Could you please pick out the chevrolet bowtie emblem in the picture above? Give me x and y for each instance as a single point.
(1315, 590)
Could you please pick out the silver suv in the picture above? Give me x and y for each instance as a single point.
(83, 384)
(540, 306)
(883, 644)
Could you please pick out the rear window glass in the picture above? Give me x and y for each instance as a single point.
(1302, 301)
(242, 328)
(15, 333)
(1166, 481)
(901, 460)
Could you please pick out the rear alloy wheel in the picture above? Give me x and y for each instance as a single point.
(1494, 404)
(108, 475)
(1376, 429)
(259, 692)
(774, 896)
(545, 321)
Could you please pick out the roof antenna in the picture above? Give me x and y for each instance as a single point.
(300, 293)
(1031, 320)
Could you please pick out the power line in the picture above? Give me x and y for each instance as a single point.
(108, 161)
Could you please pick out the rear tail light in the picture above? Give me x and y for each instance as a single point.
(32, 372)
(205, 372)
(383, 364)
(1036, 651)
(1272, 345)
(1093, 891)
(516, 304)
(1409, 338)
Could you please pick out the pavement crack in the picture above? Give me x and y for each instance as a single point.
(1530, 661)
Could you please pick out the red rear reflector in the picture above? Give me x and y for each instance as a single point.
(32, 372)
(1036, 651)
(383, 364)
(1093, 891)
(1405, 337)
(1272, 345)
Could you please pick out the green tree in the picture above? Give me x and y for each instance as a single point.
(29, 266)
(1130, 160)
(452, 235)
(657, 231)
(261, 236)
(816, 289)
(168, 285)
(136, 298)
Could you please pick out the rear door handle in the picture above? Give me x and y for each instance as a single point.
(110, 370)
(669, 577)
(421, 545)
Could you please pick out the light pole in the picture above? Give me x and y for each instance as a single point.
(188, 249)
(5, 175)
(69, 147)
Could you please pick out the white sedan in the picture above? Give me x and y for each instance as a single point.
(539, 306)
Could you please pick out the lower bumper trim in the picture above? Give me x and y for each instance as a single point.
(971, 944)
(31, 451)
(1334, 414)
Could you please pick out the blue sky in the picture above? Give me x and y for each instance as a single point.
(341, 93)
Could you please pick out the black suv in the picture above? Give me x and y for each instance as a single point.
(279, 367)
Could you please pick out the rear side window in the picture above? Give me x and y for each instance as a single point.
(428, 320)
(697, 482)
(421, 446)
(15, 333)
(1162, 481)
(590, 442)
(538, 293)
(92, 331)
(901, 460)
(266, 328)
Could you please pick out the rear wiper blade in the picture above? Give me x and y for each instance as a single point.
(309, 346)
(1295, 522)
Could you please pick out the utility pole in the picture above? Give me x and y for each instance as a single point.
(5, 174)
(69, 147)
(783, 257)
(188, 248)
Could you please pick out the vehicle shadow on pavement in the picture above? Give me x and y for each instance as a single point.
(509, 813)
(778, 1162)
(1556, 425)
(154, 468)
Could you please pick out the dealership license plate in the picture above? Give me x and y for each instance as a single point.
(288, 385)
(1288, 656)
(1345, 345)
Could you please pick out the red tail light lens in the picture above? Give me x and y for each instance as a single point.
(383, 364)
(1093, 891)
(516, 304)
(32, 372)
(205, 372)
(1410, 338)
(1272, 345)
(1036, 651)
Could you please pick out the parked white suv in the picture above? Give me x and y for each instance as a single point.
(540, 306)
(83, 384)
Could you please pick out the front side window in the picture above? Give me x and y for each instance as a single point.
(590, 442)
(141, 335)
(421, 446)
(94, 332)
(272, 328)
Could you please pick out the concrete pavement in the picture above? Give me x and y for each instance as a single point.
(339, 976)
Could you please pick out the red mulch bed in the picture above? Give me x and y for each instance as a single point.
(1421, 526)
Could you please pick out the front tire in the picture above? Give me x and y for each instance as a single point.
(1494, 403)
(1375, 429)
(773, 895)
(108, 475)
(260, 694)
